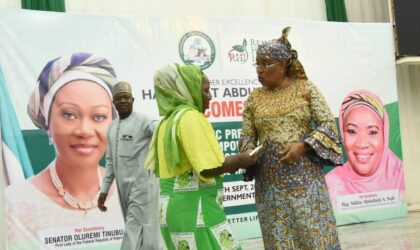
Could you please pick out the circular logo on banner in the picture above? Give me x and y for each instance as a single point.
(196, 48)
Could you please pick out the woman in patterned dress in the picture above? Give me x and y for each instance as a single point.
(289, 116)
(186, 156)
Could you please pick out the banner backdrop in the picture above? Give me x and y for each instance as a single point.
(338, 57)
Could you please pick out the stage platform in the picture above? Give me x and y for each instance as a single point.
(396, 234)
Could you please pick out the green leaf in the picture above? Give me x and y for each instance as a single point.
(244, 43)
(238, 48)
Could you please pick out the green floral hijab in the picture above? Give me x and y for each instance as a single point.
(177, 89)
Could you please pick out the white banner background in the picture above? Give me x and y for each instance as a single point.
(338, 57)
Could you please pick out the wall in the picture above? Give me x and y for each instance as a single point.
(313, 10)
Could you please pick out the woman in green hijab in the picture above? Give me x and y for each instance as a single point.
(186, 155)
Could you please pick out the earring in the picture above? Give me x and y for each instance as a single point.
(50, 141)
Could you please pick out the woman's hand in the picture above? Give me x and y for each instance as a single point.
(101, 202)
(293, 152)
(252, 158)
(246, 160)
(232, 164)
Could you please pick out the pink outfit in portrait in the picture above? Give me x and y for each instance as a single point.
(344, 180)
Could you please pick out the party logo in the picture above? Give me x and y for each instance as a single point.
(196, 48)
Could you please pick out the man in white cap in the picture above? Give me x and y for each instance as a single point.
(138, 190)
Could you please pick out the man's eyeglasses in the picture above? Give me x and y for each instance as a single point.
(265, 66)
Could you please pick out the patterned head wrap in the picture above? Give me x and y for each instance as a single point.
(178, 89)
(121, 87)
(281, 50)
(365, 99)
(59, 72)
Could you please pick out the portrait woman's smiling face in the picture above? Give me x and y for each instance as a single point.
(363, 140)
(80, 115)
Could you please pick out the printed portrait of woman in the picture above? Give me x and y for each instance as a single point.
(371, 165)
(72, 102)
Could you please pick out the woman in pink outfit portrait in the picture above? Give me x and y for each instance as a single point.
(371, 165)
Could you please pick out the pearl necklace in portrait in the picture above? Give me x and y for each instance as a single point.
(83, 205)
